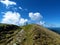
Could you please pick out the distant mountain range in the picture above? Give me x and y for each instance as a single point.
(55, 29)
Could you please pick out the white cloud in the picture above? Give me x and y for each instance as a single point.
(35, 16)
(23, 21)
(10, 17)
(23, 9)
(20, 8)
(13, 18)
(7, 2)
(50, 25)
(41, 23)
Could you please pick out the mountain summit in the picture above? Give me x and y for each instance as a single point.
(31, 34)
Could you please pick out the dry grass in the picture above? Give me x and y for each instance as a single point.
(30, 35)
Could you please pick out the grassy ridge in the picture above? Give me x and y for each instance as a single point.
(37, 35)
(31, 34)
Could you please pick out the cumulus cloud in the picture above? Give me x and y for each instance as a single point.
(7, 2)
(35, 16)
(23, 21)
(13, 18)
(41, 23)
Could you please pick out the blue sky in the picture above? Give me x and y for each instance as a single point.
(48, 9)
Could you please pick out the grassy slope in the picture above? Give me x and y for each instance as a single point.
(37, 35)
(30, 35)
(7, 33)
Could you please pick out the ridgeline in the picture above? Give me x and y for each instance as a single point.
(31, 34)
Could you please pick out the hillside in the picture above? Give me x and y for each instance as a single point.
(27, 35)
